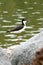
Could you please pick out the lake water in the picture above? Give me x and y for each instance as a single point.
(11, 14)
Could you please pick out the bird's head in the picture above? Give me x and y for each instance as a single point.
(23, 21)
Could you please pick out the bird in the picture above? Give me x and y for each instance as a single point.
(19, 28)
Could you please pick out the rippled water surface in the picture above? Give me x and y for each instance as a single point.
(11, 14)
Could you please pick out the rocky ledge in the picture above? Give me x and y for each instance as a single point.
(24, 53)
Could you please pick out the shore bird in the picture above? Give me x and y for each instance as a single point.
(19, 28)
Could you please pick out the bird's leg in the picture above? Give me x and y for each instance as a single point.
(19, 38)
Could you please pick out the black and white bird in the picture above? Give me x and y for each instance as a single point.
(20, 28)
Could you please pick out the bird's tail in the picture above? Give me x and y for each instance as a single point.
(8, 31)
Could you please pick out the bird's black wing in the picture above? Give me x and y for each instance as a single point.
(17, 28)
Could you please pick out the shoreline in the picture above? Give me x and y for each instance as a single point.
(24, 52)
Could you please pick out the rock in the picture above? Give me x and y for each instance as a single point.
(24, 53)
(3, 58)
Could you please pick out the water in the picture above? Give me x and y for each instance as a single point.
(11, 14)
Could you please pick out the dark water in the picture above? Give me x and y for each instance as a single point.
(11, 14)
